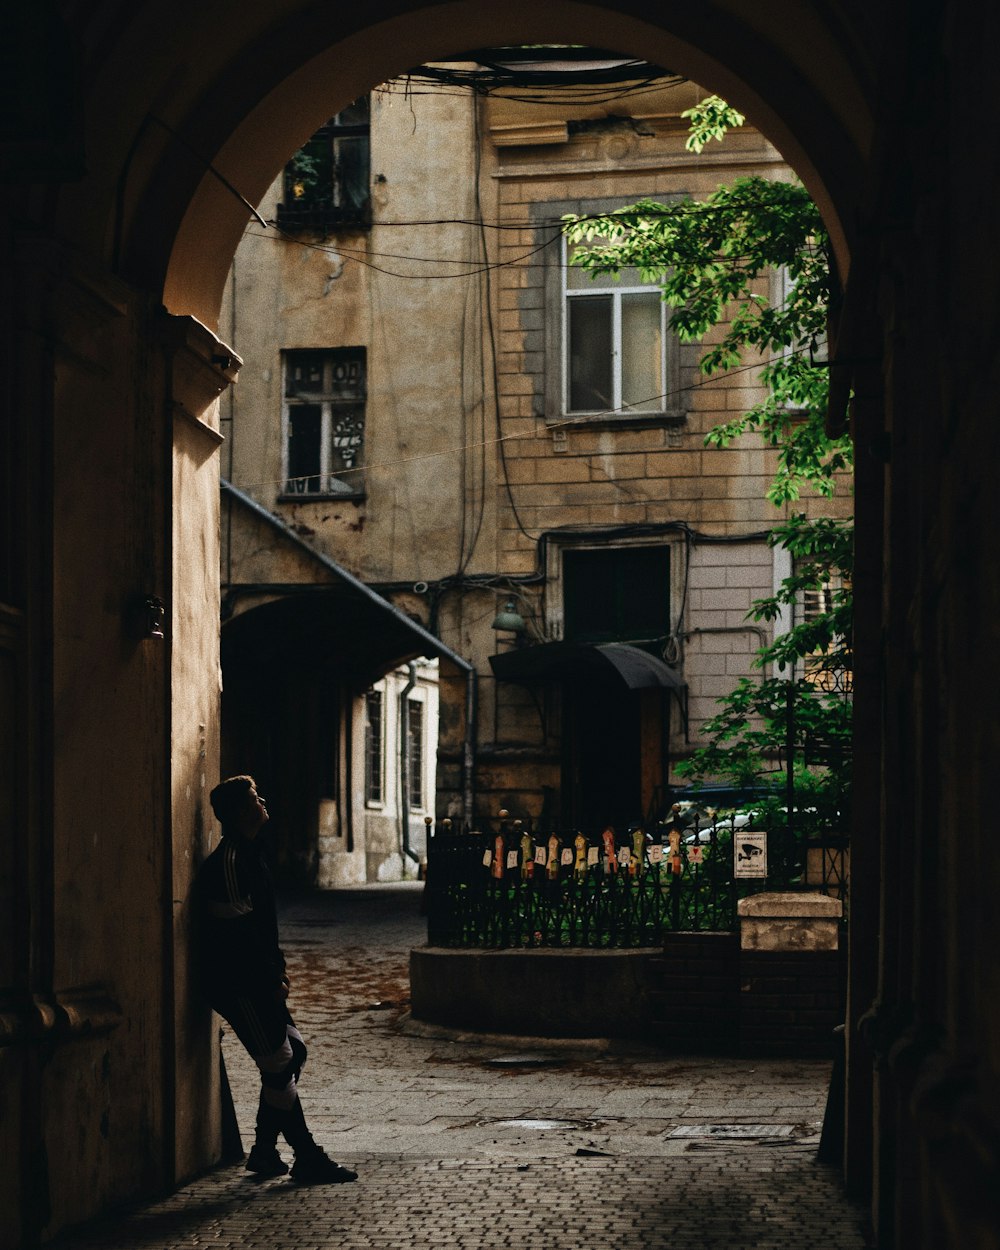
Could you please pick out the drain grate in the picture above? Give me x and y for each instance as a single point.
(538, 1125)
(525, 1060)
(734, 1132)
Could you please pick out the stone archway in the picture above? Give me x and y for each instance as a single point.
(807, 101)
(871, 107)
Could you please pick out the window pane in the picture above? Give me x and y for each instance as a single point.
(347, 373)
(416, 752)
(304, 426)
(356, 114)
(303, 373)
(373, 746)
(309, 174)
(616, 594)
(578, 279)
(589, 351)
(347, 443)
(642, 353)
(351, 166)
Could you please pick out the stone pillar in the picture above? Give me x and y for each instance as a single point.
(789, 922)
(791, 974)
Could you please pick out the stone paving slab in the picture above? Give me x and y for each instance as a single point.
(764, 1197)
(571, 1151)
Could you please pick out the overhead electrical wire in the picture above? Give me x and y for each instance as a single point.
(552, 97)
(580, 75)
(359, 256)
(484, 269)
(583, 422)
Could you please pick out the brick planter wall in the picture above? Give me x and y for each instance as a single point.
(708, 995)
(790, 1001)
(700, 994)
(693, 999)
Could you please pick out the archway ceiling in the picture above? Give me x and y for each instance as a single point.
(243, 84)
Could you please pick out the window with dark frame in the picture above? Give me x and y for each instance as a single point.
(327, 182)
(415, 752)
(616, 594)
(374, 766)
(324, 421)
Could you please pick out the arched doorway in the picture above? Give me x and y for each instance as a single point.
(209, 222)
(147, 225)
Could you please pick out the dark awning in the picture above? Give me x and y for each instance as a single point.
(338, 620)
(557, 661)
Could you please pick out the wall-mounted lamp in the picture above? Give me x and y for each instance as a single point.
(510, 620)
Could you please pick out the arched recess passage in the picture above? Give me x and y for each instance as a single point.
(186, 221)
(810, 98)
(240, 87)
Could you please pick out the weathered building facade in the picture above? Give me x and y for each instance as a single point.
(135, 139)
(434, 397)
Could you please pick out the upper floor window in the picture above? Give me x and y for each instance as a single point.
(608, 354)
(327, 181)
(615, 344)
(324, 421)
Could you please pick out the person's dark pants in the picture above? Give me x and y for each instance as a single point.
(269, 1035)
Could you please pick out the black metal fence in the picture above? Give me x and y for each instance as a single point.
(512, 888)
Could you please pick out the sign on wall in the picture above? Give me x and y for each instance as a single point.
(749, 853)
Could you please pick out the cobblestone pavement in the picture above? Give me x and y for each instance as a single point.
(469, 1143)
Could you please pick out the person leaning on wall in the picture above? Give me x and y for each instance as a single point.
(245, 980)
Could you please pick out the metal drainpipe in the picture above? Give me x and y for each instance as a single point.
(404, 765)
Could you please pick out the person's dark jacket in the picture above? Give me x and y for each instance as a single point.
(237, 923)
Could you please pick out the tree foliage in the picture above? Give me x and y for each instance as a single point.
(720, 262)
(711, 258)
(709, 119)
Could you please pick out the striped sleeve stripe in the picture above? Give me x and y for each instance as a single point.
(239, 904)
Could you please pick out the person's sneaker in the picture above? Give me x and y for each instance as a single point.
(266, 1162)
(320, 1169)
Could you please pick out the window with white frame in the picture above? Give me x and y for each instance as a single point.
(323, 420)
(374, 749)
(614, 344)
(616, 594)
(782, 294)
(415, 752)
(827, 670)
(600, 591)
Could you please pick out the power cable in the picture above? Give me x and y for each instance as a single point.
(492, 339)
(358, 258)
(582, 421)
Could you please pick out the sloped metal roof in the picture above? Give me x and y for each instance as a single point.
(340, 621)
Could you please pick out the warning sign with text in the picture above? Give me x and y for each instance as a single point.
(749, 853)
